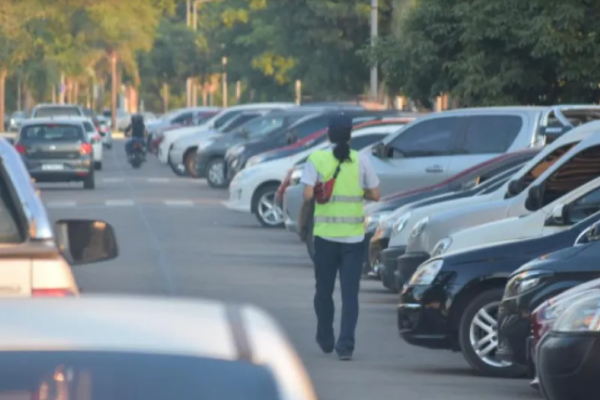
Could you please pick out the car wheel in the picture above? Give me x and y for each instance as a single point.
(89, 182)
(478, 336)
(215, 175)
(268, 213)
(189, 163)
(98, 165)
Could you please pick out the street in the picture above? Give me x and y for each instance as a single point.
(176, 239)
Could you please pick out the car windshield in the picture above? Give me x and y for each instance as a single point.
(260, 127)
(51, 132)
(84, 375)
(57, 112)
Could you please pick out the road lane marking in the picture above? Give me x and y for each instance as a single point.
(119, 203)
(159, 180)
(60, 204)
(113, 180)
(179, 203)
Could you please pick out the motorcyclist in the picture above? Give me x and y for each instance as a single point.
(136, 131)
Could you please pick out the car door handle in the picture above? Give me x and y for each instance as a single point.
(434, 169)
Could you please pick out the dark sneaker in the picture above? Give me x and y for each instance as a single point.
(326, 344)
(345, 356)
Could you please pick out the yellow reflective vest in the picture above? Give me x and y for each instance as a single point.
(343, 215)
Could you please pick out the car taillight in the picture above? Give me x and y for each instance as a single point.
(85, 148)
(52, 293)
(97, 138)
(20, 149)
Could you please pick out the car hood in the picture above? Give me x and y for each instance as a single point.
(555, 261)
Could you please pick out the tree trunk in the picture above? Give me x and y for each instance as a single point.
(165, 97)
(75, 92)
(69, 87)
(3, 73)
(114, 87)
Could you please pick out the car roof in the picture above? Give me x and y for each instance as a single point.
(117, 323)
(56, 105)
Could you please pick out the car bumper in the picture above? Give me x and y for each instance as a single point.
(376, 246)
(176, 156)
(389, 261)
(163, 152)
(292, 202)
(233, 167)
(420, 324)
(408, 263)
(97, 151)
(568, 365)
(71, 171)
(239, 199)
(514, 327)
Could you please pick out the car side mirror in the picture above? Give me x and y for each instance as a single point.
(560, 215)
(534, 198)
(379, 150)
(515, 187)
(83, 241)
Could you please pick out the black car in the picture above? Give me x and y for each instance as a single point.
(464, 184)
(538, 281)
(237, 157)
(451, 302)
(55, 150)
(210, 157)
(385, 259)
(569, 355)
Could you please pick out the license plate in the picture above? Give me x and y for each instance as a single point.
(53, 167)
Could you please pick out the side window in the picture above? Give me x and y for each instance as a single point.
(360, 142)
(183, 118)
(311, 126)
(490, 134)
(226, 117)
(545, 163)
(430, 138)
(239, 121)
(584, 206)
(577, 171)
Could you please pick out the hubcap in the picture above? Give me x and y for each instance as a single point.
(268, 210)
(483, 335)
(215, 173)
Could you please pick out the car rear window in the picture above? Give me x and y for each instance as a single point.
(89, 128)
(86, 375)
(57, 112)
(52, 132)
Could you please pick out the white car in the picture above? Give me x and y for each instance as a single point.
(253, 189)
(125, 347)
(573, 207)
(217, 121)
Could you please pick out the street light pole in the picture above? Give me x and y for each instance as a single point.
(374, 33)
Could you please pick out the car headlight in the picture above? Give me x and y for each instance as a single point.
(524, 282)
(441, 247)
(419, 228)
(372, 221)
(235, 151)
(253, 161)
(400, 222)
(426, 273)
(583, 315)
(205, 143)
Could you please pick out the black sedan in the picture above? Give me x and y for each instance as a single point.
(54, 150)
(538, 281)
(451, 302)
(568, 356)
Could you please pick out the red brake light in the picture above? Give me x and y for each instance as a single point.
(20, 149)
(86, 148)
(52, 293)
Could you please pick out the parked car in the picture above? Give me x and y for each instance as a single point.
(311, 127)
(36, 256)
(105, 131)
(451, 301)
(88, 348)
(537, 281)
(56, 150)
(182, 155)
(93, 136)
(216, 122)
(15, 120)
(568, 355)
(507, 201)
(56, 110)
(123, 118)
(210, 155)
(179, 118)
(253, 189)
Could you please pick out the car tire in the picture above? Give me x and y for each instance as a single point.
(261, 198)
(89, 182)
(484, 307)
(189, 163)
(211, 177)
(98, 165)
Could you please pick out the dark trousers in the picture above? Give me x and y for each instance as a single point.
(129, 144)
(329, 258)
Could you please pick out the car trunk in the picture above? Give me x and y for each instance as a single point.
(15, 277)
(47, 150)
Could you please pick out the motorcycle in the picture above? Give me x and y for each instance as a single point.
(138, 154)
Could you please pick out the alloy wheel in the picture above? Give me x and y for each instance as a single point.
(269, 211)
(483, 335)
(216, 173)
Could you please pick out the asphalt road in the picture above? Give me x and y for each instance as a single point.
(176, 239)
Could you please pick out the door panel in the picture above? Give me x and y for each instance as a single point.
(410, 173)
